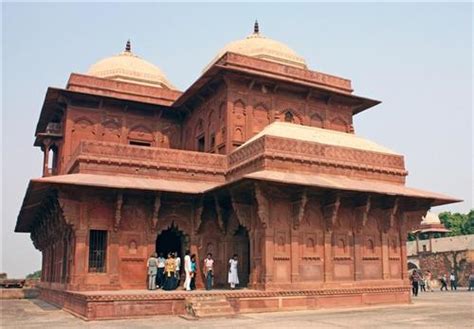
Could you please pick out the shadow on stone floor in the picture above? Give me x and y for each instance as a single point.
(44, 306)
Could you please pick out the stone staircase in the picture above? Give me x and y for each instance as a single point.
(207, 307)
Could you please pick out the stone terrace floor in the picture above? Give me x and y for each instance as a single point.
(429, 310)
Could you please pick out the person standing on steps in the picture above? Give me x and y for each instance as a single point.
(152, 265)
(177, 260)
(192, 285)
(187, 271)
(233, 275)
(209, 270)
(170, 268)
(161, 271)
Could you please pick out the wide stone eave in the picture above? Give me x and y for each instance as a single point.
(41, 187)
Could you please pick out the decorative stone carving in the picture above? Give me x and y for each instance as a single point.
(298, 209)
(219, 212)
(118, 211)
(330, 211)
(242, 211)
(361, 214)
(263, 206)
(156, 210)
(387, 221)
(198, 209)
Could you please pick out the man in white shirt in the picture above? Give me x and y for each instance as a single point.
(187, 270)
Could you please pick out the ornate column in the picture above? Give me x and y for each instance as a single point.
(330, 210)
(389, 216)
(385, 256)
(297, 213)
(361, 216)
(195, 246)
(46, 147)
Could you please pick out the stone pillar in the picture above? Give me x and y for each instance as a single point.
(194, 249)
(385, 259)
(80, 259)
(295, 257)
(403, 258)
(358, 274)
(46, 149)
(113, 258)
(328, 265)
(268, 252)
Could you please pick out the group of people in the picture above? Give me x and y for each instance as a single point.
(165, 273)
(422, 282)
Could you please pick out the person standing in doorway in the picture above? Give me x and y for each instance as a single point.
(178, 267)
(170, 268)
(444, 282)
(233, 275)
(209, 270)
(453, 281)
(192, 284)
(187, 271)
(152, 265)
(161, 271)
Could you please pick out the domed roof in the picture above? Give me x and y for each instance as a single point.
(128, 67)
(430, 218)
(259, 46)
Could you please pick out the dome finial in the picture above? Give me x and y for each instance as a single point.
(128, 46)
(256, 28)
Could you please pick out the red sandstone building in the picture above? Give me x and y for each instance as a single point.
(257, 157)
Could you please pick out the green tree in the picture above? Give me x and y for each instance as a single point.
(459, 224)
(34, 275)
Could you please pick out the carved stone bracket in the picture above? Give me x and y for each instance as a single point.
(219, 212)
(361, 214)
(242, 211)
(410, 220)
(389, 215)
(198, 209)
(156, 211)
(118, 211)
(330, 211)
(70, 210)
(263, 205)
(298, 209)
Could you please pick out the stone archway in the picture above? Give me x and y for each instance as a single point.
(170, 240)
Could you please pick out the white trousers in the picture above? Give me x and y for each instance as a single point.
(187, 281)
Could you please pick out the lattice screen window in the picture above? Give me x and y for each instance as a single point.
(97, 251)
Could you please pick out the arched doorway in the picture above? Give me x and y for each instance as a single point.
(170, 240)
(242, 249)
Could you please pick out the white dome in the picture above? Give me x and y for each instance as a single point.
(430, 218)
(128, 67)
(259, 46)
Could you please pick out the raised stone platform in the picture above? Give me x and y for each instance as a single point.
(19, 293)
(101, 305)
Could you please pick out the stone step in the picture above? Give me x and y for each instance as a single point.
(219, 312)
(205, 307)
(209, 304)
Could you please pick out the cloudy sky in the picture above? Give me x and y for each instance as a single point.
(415, 58)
